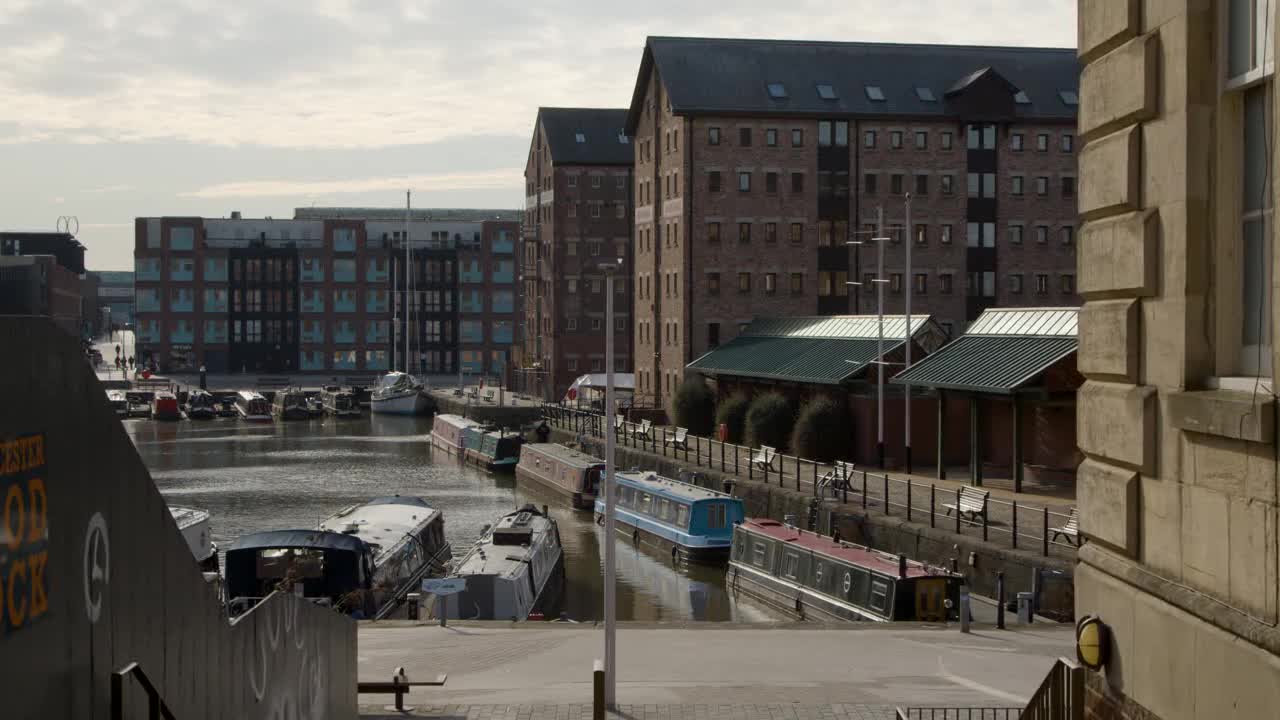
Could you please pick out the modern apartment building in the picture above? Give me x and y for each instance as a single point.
(577, 217)
(757, 161)
(325, 295)
(43, 273)
(1177, 419)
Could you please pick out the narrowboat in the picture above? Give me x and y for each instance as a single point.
(165, 406)
(194, 526)
(691, 523)
(119, 402)
(448, 433)
(340, 403)
(493, 450)
(399, 394)
(515, 569)
(361, 561)
(140, 403)
(567, 472)
(200, 405)
(811, 576)
(291, 404)
(252, 406)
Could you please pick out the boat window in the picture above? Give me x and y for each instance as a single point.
(739, 546)
(817, 574)
(879, 595)
(716, 513)
(664, 509)
(791, 564)
(280, 563)
(682, 516)
(645, 502)
(758, 554)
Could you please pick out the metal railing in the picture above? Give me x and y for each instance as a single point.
(156, 707)
(1060, 696)
(948, 713)
(1017, 525)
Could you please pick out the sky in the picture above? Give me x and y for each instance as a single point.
(115, 109)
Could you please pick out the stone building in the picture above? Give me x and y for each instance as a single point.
(756, 161)
(577, 216)
(1178, 494)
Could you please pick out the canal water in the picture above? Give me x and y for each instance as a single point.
(293, 475)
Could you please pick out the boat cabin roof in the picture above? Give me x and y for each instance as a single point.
(384, 521)
(250, 395)
(507, 547)
(456, 420)
(566, 455)
(186, 517)
(317, 539)
(654, 482)
(880, 562)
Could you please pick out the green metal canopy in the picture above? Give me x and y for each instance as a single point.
(1003, 350)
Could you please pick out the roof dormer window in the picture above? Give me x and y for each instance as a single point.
(580, 137)
(777, 91)
(1069, 97)
(826, 92)
(925, 94)
(875, 93)
(1021, 98)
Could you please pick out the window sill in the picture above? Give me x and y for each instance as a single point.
(1231, 413)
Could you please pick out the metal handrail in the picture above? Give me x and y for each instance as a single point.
(156, 707)
(1061, 694)
(958, 713)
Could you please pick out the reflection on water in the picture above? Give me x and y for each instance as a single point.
(293, 475)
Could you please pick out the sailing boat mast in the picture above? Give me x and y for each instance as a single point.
(408, 282)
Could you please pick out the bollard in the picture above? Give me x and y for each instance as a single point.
(444, 610)
(1000, 600)
(597, 688)
(964, 608)
(413, 599)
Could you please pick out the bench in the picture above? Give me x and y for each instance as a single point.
(973, 503)
(473, 393)
(644, 430)
(488, 395)
(619, 425)
(399, 686)
(838, 477)
(763, 458)
(679, 440)
(1071, 530)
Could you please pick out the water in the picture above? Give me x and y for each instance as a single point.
(293, 475)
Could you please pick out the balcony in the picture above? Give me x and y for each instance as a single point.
(148, 331)
(503, 332)
(375, 272)
(344, 301)
(181, 302)
(344, 333)
(215, 301)
(503, 244)
(181, 333)
(312, 270)
(377, 333)
(313, 332)
(470, 301)
(344, 360)
(504, 272)
(147, 300)
(215, 332)
(471, 331)
(146, 269)
(471, 273)
(375, 301)
(344, 270)
(504, 301)
(312, 302)
(375, 359)
(181, 270)
(311, 360)
(215, 270)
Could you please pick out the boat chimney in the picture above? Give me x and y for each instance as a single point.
(902, 566)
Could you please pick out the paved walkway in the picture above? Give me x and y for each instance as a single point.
(840, 711)
(712, 665)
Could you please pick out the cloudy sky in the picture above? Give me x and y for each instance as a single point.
(113, 109)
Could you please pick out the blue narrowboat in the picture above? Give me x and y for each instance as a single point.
(689, 522)
(494, 450)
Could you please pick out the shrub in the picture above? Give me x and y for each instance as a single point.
(769, 421)
(694, 406)
(732, 413)
(821, 431)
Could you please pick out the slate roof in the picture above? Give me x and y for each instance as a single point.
(1004, 349)
(730, 76)
(600, 129)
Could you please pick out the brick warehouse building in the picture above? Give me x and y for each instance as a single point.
(316, 295)
(756, 160)
(577, 216)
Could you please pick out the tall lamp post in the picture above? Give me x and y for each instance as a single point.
(879, 239)
(910, 233)
(610, 562)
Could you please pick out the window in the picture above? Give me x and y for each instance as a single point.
(1069, 97)
(921, 234)
(920, 284)
(826, 92)
(771, 137)
(713, 136)
(1015, 234)
(842, 133)
(1016, 141)
(572, 181)
(1249, 49)
(713, 232)
(797, 233)
(713, 334)
(1254, 279)
(744, 137)
(947, 183)
(1021, 98)
(944, 283)
(895, 282)
(758, 554)
(771, 232)
(744, 233)
(1068, 187)
(1042, 234)
(619, 211)
(770, 283)
(874, 93)
(595, 209)
(595, 181)
(1042, 185)
(981, 235)
(579, 137)
(947, 140)
(824, 133)
(713, 283)
(797, 283)
(925, 94)
(1015, 283)
(895, 183)
(869, 183)
(797, 137)
(744, 182)
(744, 282)
(595, 323)
(1067, 142)
(1015, 185)
(944, 233)
(1068, 284)
(922, 140)
(571, 285)
(621, 181)
(868, 138)
(771, 182)
(1068, 235)
(1042, 284)
(791, 564)
(1042, 142)
(895, 139)
(982, 284)
(922, 185)
(777, 91)
(797, 182)
(713, 181)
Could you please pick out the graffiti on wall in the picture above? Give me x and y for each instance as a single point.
(287, 671)
(24, 533)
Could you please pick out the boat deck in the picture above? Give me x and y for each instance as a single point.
(858, 555)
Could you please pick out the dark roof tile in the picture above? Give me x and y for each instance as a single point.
(600, 129)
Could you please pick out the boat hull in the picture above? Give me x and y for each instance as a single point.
(640, 537)
(578, 500)
(200, 413)
(409, 404)
(503, 465)
(446, 446)
(792, 600)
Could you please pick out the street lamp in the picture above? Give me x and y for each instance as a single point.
(879, 281)
(610, 563)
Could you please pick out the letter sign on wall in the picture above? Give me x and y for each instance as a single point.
(24, 533)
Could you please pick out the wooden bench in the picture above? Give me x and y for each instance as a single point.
(679, 440)
(973, 503)
(1071, 530)
(398, 686)
(763, 458)
(488, 395)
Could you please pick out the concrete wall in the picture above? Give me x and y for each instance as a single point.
(97, 576)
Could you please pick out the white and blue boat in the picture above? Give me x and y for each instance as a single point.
(690, 522)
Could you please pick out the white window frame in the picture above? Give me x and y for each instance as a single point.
(1263, 65)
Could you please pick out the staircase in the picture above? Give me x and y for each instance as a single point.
(1059, 697)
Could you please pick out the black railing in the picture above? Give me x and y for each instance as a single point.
(948, 713)
(156, 707)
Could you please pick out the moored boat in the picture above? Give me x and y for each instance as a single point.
(690, 522)
(362, 560)
(140, 403)
(164, 406)
(516, 568)
(290, 404)
(253, 407)
(399, 394)
(494, 450)
(811, 576)
(194, 526)
(119, 402)
(200, 405)
(448, 433)
(570, 473)
(340, 403)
